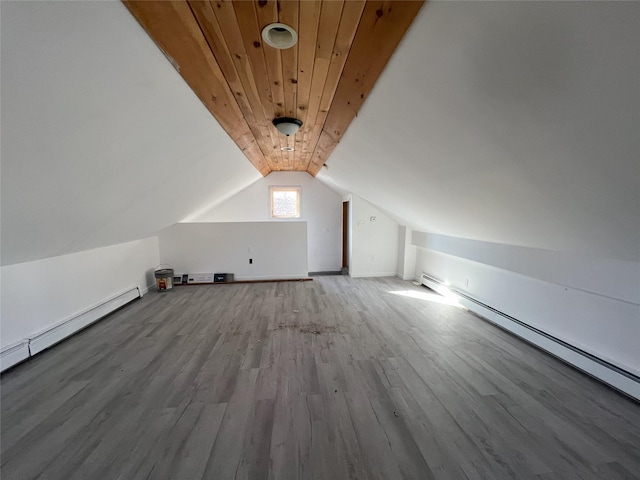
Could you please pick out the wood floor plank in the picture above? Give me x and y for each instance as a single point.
(336, 378)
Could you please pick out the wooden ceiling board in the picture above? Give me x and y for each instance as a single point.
(349, 21)
(221, 29)
(307, 36)
(267, 13)
(251, 36)
(288, 13)
(381, 27)
(176, 32)
(217, 46)
(327, 28)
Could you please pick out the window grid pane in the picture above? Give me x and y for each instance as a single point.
(285, 203)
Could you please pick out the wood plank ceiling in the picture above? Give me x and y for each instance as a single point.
(217, 47)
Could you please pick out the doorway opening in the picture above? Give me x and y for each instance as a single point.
(345, 238)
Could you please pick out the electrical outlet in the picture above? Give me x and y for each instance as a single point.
(466, 282)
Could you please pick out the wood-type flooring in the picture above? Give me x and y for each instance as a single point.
(337, 378)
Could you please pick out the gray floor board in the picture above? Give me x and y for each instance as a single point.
(337, 378)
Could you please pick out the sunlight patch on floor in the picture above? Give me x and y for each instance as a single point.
(445, 297)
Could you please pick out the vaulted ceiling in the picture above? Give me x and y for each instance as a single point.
(323, 80)
(508, 122)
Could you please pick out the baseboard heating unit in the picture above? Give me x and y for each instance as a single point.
(602, 370)
(40, 341)
(13, 354)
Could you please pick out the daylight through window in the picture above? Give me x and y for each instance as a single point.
(285, 202)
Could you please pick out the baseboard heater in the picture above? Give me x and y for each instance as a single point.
(35, 344)
(612, 375)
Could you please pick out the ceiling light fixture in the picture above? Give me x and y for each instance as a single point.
(287, 149)
(287, 125)
(279, 35)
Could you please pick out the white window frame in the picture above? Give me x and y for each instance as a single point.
(277, 188)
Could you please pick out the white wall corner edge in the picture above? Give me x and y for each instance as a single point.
(408, 276)
(146, 289)
(600, 369)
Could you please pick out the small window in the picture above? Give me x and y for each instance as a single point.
(285, 202)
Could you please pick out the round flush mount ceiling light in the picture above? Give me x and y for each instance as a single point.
(287, 125)
(279, 35)
(287, 149)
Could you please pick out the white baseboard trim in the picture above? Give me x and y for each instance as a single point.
(373, 274)
(62, 330)
(294, 276)
(598, 368)
(14, 354)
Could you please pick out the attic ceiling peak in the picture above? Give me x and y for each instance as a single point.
(322, 80)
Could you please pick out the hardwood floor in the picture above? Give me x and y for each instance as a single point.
(331, 379)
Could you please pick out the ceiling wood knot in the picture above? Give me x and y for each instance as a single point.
(256, 44)
(262, 3)
(293, 80)
(379, 12)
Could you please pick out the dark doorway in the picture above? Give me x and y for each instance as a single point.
(345, 237)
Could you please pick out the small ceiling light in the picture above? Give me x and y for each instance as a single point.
(287, 125)
(279, 35)
(287, 149)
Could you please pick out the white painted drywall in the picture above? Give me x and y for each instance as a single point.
(374, 241)
(406, 254)
(102, 141)
(278, 249)
(606, 327)
(602, 276)
(321, 208)
(507, 122)
(37, 295)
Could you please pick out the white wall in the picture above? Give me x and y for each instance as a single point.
(37, 295)
(406, 254)
(587, 305)
(374, 241)
(278, 249)
(321, 208)
(512, 122)
(603, 276)
(102, 140)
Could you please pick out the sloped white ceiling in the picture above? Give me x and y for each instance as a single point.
(508, 122)
(102, 140)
